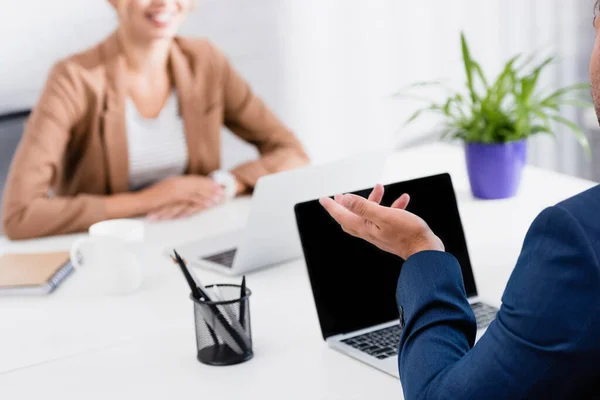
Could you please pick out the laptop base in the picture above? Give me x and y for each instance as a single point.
(377, 346)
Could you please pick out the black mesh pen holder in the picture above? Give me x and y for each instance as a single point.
(223, 332)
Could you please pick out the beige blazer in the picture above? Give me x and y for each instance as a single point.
(74, 149)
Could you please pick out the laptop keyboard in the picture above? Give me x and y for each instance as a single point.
(383, 343)
(484, 314)
(225, 258)
(380, 344)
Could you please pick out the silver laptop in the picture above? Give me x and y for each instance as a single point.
(270, 235)
(354, 283)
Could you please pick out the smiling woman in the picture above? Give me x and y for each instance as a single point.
(131, 127)
(147, 20)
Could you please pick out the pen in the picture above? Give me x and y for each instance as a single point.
(232, 334)
(230, 314)
(216, 291)
(188, 277)
(195, 291)
(201, 289)
(243, 302)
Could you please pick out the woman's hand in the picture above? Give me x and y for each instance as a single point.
(240, 187)
(177, 210)
(182, 192)
(391, 229)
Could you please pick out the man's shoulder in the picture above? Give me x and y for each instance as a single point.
(584, 206)
(590, 195)
(582, 212)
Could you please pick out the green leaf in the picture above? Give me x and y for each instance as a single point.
(452, 134)
(488, 133)
(468, 63)
(417, 114)
(480, 73)
(579, 135)
(525, 64)
(546, 119)
(447, 106)
(577, 103)
(541, 129)
(554, 97)
(538, 69)
(411, 96)
(552, 105)
(424, 83)
(505, 81)
(530, 82)
(403, 92)
(459, 104)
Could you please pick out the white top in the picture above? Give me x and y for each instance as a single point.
(157, 147)
(144, 343)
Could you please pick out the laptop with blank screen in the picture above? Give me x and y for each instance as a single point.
(354, 282)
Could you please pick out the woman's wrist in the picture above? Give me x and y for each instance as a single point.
(126, 205)
(240, 187)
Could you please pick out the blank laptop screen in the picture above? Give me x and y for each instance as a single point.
(353, 282)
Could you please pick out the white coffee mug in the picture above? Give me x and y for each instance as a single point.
(112, 256)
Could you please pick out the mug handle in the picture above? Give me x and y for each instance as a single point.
(75, 253)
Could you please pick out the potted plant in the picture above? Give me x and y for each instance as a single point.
(494, 120)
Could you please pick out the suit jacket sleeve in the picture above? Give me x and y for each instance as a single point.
(28, 208)
(544, 322)
(248, 117)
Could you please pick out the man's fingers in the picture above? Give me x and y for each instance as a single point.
(349, 221)
(362, 207)
(401, 202)
(377, 194)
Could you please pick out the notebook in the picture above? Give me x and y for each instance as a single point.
(33, 274)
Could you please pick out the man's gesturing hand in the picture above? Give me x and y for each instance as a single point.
(392, 229)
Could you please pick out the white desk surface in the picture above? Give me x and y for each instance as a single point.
(73, 345)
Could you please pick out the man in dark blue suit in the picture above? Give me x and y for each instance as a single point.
(545, 341)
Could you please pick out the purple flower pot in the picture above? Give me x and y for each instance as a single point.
(495, 169)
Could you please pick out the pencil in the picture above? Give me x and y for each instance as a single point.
(243, 303)
(195, 291)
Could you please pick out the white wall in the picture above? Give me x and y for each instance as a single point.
(327, 67)
(348, 56)
(36, 33)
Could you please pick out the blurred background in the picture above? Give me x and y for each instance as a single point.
(327, 67)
